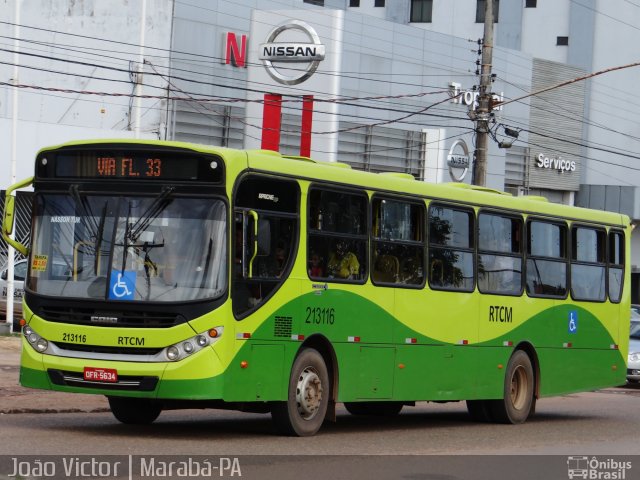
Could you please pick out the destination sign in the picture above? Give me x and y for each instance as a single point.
(130, 165)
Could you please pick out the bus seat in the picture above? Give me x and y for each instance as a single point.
(386, 269)
(436, 272)
(411, 270)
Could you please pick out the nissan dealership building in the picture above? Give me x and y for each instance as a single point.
(383, 97)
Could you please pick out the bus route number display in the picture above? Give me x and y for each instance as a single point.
(120, 165)
(128, 167)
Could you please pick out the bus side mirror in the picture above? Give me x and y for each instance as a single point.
(9, 213)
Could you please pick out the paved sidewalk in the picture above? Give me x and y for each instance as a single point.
(17, 399)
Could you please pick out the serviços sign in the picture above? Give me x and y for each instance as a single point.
(555, 163)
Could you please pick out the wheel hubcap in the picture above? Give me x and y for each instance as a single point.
(308, 393)
(519, 388)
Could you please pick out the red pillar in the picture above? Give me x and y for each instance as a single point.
(307, 123)
(271, 122)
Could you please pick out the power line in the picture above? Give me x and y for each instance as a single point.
(190, 80)
(574, 116)
(342, 100)
(343, 74)
(606, 15)
(244, 89)
(568, 82)
(204, 57)
(580, 144)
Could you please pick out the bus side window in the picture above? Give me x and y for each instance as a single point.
(616, 265)
(547, 262)
(398, 244)
(588, 257)
(337, 242)
(451, 248)
(499, 254)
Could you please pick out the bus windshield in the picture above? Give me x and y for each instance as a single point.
(156, 248)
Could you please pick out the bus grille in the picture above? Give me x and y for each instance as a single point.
(76, 379)
(76, 347)
(105, 318)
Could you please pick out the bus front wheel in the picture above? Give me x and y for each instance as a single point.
(305, 409)
(134, 411)
(518, 399)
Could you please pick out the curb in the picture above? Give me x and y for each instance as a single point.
(11, 411)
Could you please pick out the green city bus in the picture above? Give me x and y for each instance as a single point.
(169, 275)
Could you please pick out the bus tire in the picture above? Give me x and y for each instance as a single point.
(304, 411)
(480, 410)
(380, 409)
(518, 396)
(134, 411)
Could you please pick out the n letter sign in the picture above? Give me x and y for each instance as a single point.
(235, 54)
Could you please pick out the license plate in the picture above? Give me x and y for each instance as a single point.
(93, 374)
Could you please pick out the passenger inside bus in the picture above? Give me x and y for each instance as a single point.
(386, 268)
(342, 262)
(315, 266)
(274, 265)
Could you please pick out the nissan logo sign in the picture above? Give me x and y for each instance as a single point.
(458, 161)
(311, 53)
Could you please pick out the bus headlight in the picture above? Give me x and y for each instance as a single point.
(41, 345)
(38, 343)
(634, 357)
(173, 353)
(185, 348)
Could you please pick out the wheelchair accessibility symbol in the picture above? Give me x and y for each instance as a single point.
(573, 321)
(123, 285)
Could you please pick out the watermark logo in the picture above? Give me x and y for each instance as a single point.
(594, 468)
(118, 467)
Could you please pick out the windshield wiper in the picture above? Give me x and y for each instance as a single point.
(125, 240)
(99, 234)
(74, 191)
(157, 206)
(132, 232)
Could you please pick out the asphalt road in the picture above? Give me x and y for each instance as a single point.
(604, 422)
(427, 442)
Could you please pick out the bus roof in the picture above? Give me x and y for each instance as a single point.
(402, 184)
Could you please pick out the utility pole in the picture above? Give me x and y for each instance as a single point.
(140, 67)
(14, 157)
(483, 112)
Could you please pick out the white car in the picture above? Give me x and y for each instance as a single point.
(633, 362)
(19, 274)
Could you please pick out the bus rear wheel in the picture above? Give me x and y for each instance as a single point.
(518, 399)
(304, 411)
(134, 411)
(380, 409)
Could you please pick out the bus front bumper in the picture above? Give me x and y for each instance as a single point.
(197, 377)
